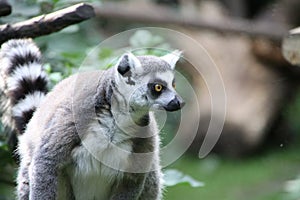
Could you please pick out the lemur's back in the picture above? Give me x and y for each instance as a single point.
(64, 95)
(58, 112)
(58, 105)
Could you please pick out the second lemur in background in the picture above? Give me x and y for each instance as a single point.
(93, 136)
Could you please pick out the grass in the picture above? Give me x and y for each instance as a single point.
(260, 177)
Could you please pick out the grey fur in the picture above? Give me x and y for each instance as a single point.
(81, 142)
(153, 64)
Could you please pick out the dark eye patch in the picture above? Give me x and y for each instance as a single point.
(153, 83)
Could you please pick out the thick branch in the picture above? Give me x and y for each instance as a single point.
(164, 15)
(46, 24)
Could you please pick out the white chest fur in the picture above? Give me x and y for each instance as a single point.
(90, 178)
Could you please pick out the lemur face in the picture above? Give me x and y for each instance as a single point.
(161, 92)
(149, 82)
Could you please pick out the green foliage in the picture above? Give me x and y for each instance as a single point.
(292, 114)
(21, 10)
(144, 38)
(7, 169)
(261, 177)
(142, 42)
(174, 177)
(292, 189)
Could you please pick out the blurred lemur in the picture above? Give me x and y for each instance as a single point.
(93, 136)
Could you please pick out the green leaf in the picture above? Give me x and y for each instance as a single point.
(56, 77)
(47, 68)
(174, 177)
(2, 144)
(71, 29)
(144, 38)
(292, 188)
(105, 53)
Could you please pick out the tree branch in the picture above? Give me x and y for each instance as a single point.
(46, 24)
(164, 15)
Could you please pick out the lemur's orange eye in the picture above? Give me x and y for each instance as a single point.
(158, 87)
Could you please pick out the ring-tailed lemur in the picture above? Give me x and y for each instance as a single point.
(86, 136)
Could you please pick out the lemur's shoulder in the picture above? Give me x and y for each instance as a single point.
(72, 100)
(79, 86)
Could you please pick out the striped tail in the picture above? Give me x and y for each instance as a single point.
(23, 83)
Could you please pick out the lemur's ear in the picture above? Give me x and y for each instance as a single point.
(128, 62)
(172, 58)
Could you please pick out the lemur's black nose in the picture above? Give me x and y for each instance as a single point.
(175, 104)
